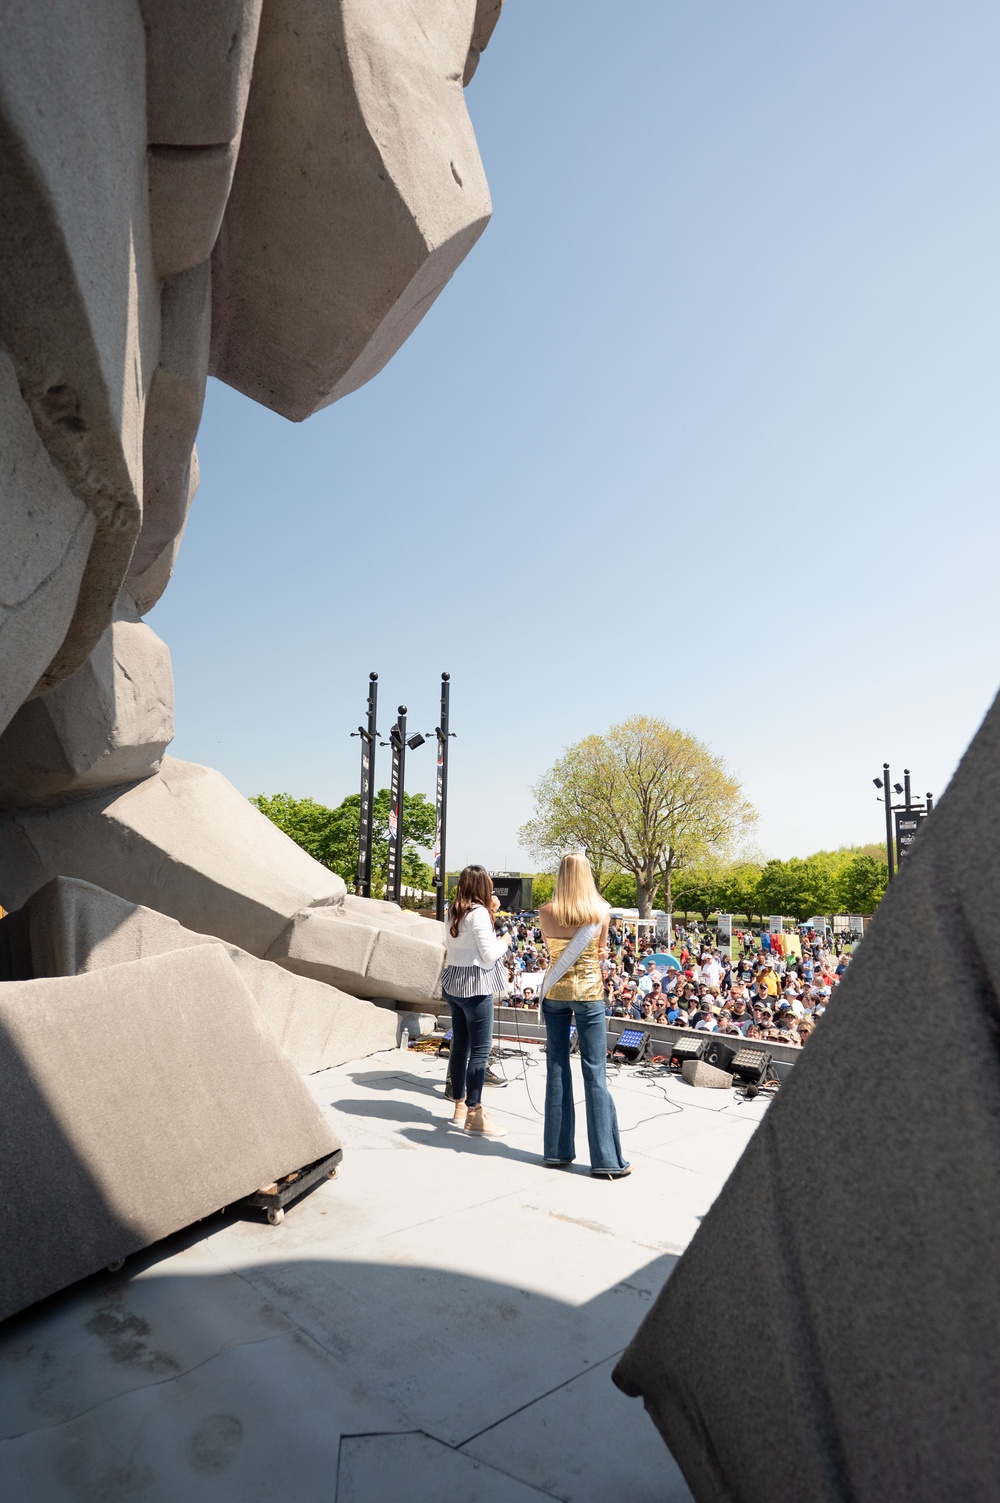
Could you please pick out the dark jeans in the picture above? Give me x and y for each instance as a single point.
(560, 1113)
(471, 1040)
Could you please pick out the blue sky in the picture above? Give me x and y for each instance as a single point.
(704, 428)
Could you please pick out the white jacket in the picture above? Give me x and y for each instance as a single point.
(475, 944)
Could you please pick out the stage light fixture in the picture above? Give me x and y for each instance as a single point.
(415, 740)
(633, 1046)
(684, 1048)
(752, 1065)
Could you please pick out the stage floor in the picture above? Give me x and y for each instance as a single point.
(440, 1321)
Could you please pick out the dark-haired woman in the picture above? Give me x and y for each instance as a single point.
(473, 973)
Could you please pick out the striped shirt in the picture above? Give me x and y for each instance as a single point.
(475, 962)
(474, 980)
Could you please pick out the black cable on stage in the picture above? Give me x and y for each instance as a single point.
(524, 1059)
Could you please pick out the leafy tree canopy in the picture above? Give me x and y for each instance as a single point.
(861, 883)
(331, 835)
(645, 799)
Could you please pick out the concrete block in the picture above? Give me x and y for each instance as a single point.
(173, 412)
(146, 586)
(697, 1073)
(188, 189)
(366, 959)
(405, 966)
(863, 1217)
(136, 1100)
(79, 300)
(70, 927)
(321, 943)
(108, 723)
(417, 1024)
(46, 534)
(184, 842)
(388, 916)
(329, 254)
(198, 63)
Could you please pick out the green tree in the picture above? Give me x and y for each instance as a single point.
(331, 835)
(861, 884)
(737, 889)
(619, 889)
(799, 888)
(543, 885)
(645, 799)
(695, 890)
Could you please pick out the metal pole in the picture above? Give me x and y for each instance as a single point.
(930, 802)
(887, 790)
(440, 841)
(369, 739)
(906, 786)
(394, 874)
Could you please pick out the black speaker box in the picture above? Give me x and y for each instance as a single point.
(719, 1054)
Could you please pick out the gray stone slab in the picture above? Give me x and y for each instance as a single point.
(198, 64)
(80, 314)
(706, 1077)
(184, 842)
(188, 188)
(72, 927)
(322, 270)
(862, 1218)
(173, 412)
(399, 963)
(134, 1101)
(108, 723)
(46, 533)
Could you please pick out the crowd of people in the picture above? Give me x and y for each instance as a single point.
(757, 993)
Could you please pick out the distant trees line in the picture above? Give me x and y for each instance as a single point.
(851, 880)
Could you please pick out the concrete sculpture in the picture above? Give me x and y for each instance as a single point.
(864, 1219)
(276, 194)
(130, 1108)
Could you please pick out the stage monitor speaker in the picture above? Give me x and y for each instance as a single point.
(633, 1046)
(719, 1054)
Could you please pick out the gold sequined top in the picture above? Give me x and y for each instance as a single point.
(583, 981)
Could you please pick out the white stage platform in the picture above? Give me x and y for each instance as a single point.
(441, 1321)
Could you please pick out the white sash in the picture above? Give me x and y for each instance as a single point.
(581, 939)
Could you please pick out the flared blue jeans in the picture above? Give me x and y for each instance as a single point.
(560, 1114)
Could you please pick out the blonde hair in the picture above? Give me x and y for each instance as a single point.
(576, 900)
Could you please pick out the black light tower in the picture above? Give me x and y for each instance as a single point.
(908, 817)
(886, 787)
(394, 874)
(441, 831)
(369, 739)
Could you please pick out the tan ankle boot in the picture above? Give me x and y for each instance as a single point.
(459, 1114)
(478, 1122)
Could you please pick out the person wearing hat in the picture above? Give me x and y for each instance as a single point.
(740, 1016)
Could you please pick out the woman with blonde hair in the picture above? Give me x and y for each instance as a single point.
(474, 971)
(575, 929)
